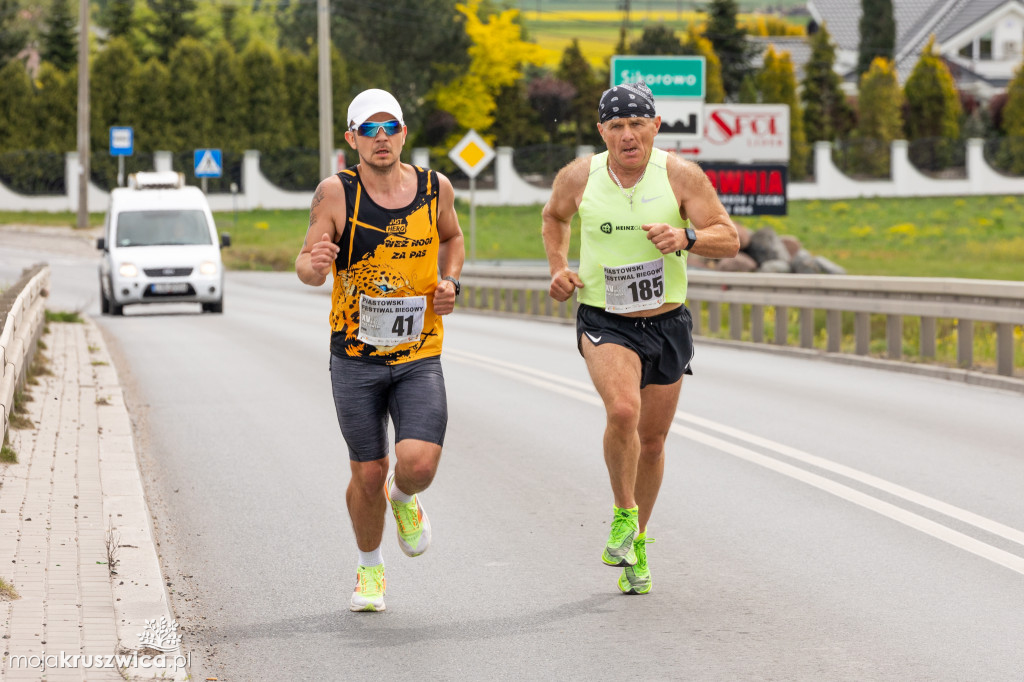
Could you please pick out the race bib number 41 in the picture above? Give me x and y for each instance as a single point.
(390, 321)
(640, 286)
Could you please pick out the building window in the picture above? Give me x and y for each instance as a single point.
(985, 46)
(967, 51)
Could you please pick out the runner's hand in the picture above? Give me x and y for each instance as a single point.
(444, 297)
(665, 237)
(563, 283)
(322, 255)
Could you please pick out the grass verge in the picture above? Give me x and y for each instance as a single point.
(63, 316)
(7, 591)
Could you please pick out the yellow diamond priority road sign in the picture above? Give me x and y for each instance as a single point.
(471, 154)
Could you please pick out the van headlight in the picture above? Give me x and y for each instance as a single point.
(128, 270)
(208, 268)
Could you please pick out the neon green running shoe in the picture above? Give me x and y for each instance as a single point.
(619, 550)
(411, 521)
(637, 579)
(369, 592)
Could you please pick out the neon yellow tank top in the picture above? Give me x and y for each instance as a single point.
(611, 232)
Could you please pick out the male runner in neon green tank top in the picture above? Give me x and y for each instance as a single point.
(642, 211)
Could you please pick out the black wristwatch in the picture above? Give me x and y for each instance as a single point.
(458, 287)
(691, 239)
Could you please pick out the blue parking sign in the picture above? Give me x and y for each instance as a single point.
(208, 163)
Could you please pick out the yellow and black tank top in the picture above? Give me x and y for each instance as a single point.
(386, 253)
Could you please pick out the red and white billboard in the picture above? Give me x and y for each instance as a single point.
(739, 133)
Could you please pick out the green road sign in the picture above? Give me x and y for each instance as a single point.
(665, 76)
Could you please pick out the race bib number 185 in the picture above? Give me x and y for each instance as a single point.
(639, 286)
(391, 321)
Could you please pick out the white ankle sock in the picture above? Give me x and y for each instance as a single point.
(374, 558)
(397, 495)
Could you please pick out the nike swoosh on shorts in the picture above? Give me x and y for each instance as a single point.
(594, 339)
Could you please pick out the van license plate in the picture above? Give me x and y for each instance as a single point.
(166, 288)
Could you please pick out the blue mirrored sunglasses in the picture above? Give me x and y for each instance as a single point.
(370, 129)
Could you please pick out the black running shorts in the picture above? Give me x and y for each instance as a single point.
(365, 393)
(663, 342)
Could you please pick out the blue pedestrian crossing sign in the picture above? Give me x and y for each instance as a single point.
(208, 163)
(122, 141)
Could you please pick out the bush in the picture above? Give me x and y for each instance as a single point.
(33, 172)
(292, 169)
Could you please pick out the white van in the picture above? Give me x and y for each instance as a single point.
(160, 245)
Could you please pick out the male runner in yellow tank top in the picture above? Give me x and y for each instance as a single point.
(389, 233)
(642, 211)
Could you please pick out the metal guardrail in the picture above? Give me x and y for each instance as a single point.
(523, 290)
(22, 315)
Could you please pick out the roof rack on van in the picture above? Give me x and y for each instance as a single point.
(156, 180)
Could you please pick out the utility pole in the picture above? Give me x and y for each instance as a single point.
(323, 32)
(83, 113)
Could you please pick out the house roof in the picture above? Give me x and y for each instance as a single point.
(969, 14)
(916, 21)
(798, 47)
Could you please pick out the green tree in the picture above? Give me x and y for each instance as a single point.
(238, 22)
(827, 114)
(301, 80)
(933, 110)
(55, 109)
(1011, 153)
(13, 37)
(190, 98)
(119, 18)
(552, 99)
(340, 88)
(933, 106)
(657, 40)
(730, 43)
(519, 125)
(409, 48)
(227, 125)
(16, 101)
(150, 85)
(748, 90)
(265, 115)
(111, 90)
(575, 69)
(777, 85)
(173, 20)
(497, 56)
(877, 33)
(880, 118)
(697, 45)
(296, 23)
(59, 41)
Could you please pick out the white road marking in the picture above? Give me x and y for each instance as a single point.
(585, 392)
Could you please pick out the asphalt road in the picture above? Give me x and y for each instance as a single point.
(817, 521)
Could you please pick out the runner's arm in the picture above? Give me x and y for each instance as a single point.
(556, 226)
(716, 235)
(451, 251)
(319, 250)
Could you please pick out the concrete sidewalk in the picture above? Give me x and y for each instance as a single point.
(72, 502)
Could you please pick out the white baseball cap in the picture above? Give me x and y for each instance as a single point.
(370, 102)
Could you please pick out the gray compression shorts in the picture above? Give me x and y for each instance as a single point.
(365, 394)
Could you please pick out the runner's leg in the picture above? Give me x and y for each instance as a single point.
(657, 408)
(615, 371)
(366, 502)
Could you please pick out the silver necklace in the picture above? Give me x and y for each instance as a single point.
(632, 190)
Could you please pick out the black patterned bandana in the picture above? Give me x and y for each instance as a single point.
(627, 101)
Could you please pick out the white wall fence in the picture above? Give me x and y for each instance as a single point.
(510, 189)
